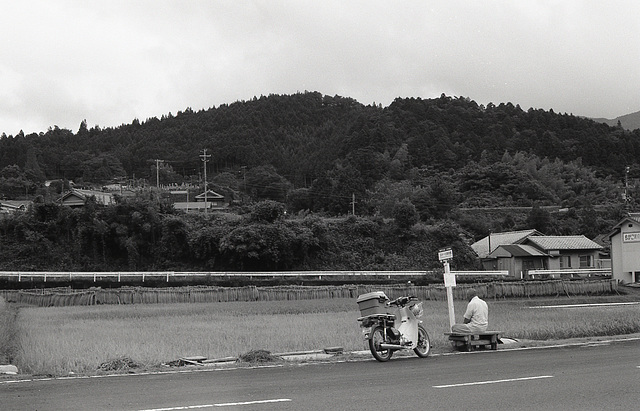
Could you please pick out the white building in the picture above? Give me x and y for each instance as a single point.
(625, 249)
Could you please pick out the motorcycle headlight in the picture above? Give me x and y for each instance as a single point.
(417, 309)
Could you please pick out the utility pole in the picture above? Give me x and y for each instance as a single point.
(205, 158)
(353, 203)
(244, 178)
(626, 188)
(158, 174)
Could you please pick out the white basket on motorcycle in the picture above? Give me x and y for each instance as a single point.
(372, 303)
(417, 309)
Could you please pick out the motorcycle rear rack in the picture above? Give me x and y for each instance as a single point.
(377, 317)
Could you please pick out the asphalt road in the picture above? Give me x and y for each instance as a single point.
(600, 376)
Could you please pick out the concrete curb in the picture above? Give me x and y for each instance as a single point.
(324, 353)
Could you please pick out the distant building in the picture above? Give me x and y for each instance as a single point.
(517, 259)
(567, 251)
(519, 252)
(13, 206)
(625, 249)
(78, 198)
(214, 201)
(485, 246)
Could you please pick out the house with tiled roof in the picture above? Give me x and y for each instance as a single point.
(625, 249)
(78, 197)
(519, 252)
(517, 259)
(13, 206)
(486, 245)
(214, 201)
(567, 251)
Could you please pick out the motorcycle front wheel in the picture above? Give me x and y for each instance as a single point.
(375, 339)
(424, 345)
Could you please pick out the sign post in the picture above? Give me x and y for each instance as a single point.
(445, 255)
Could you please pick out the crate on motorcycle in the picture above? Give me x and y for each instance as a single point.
(372, 303)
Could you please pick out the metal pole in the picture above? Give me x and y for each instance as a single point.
(158, 174)
(452, 315)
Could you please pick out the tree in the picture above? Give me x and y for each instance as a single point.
(11, 171)
(32, 169)
(83, 130)
(405, 214)
(174, 243)
(267, 211)
(538, 219)
(299, 199)
(253, 246)
(265, 183)
(387, 193)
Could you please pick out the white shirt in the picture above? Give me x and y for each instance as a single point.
(478, 313)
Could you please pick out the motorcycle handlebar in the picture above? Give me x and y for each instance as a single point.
(403, 300)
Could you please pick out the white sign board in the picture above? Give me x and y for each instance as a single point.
(449, 280)
(631, 237)
(445, 254)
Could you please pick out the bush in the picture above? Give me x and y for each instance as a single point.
(405, 214)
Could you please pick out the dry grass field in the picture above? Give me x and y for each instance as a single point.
(58, 341)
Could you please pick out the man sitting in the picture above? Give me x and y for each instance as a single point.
(476, 318)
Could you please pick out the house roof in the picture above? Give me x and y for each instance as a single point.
(633, 218)
(516, 250)
(7, 206)
(82, 195)
(16, 204)
(210, 195)
(564, 242)
(481, 247)
(72, 193)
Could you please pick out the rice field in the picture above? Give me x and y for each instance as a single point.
(60, 340)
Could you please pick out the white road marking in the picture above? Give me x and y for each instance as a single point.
(585, 305)
(464, 384)
(224, 404)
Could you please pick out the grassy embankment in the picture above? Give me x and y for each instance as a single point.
(8, 332)
(77, 339)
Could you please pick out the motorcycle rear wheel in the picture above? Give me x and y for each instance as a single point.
(375, 339)
(424, 345)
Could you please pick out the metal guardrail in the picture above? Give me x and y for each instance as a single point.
(570, 273)
(142, 275)
(501, 273)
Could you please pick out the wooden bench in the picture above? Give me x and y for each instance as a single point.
(470, 340)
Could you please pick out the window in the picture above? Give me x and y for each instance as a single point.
(586, 261)
(565, 261)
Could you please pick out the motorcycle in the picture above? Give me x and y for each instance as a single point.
(390, 326)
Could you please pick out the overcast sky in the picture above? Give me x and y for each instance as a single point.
(112, 61)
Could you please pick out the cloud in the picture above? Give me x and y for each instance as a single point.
(109, 62)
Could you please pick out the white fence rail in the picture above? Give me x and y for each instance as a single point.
(119, 276)
(500, 273)
(570, 273)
